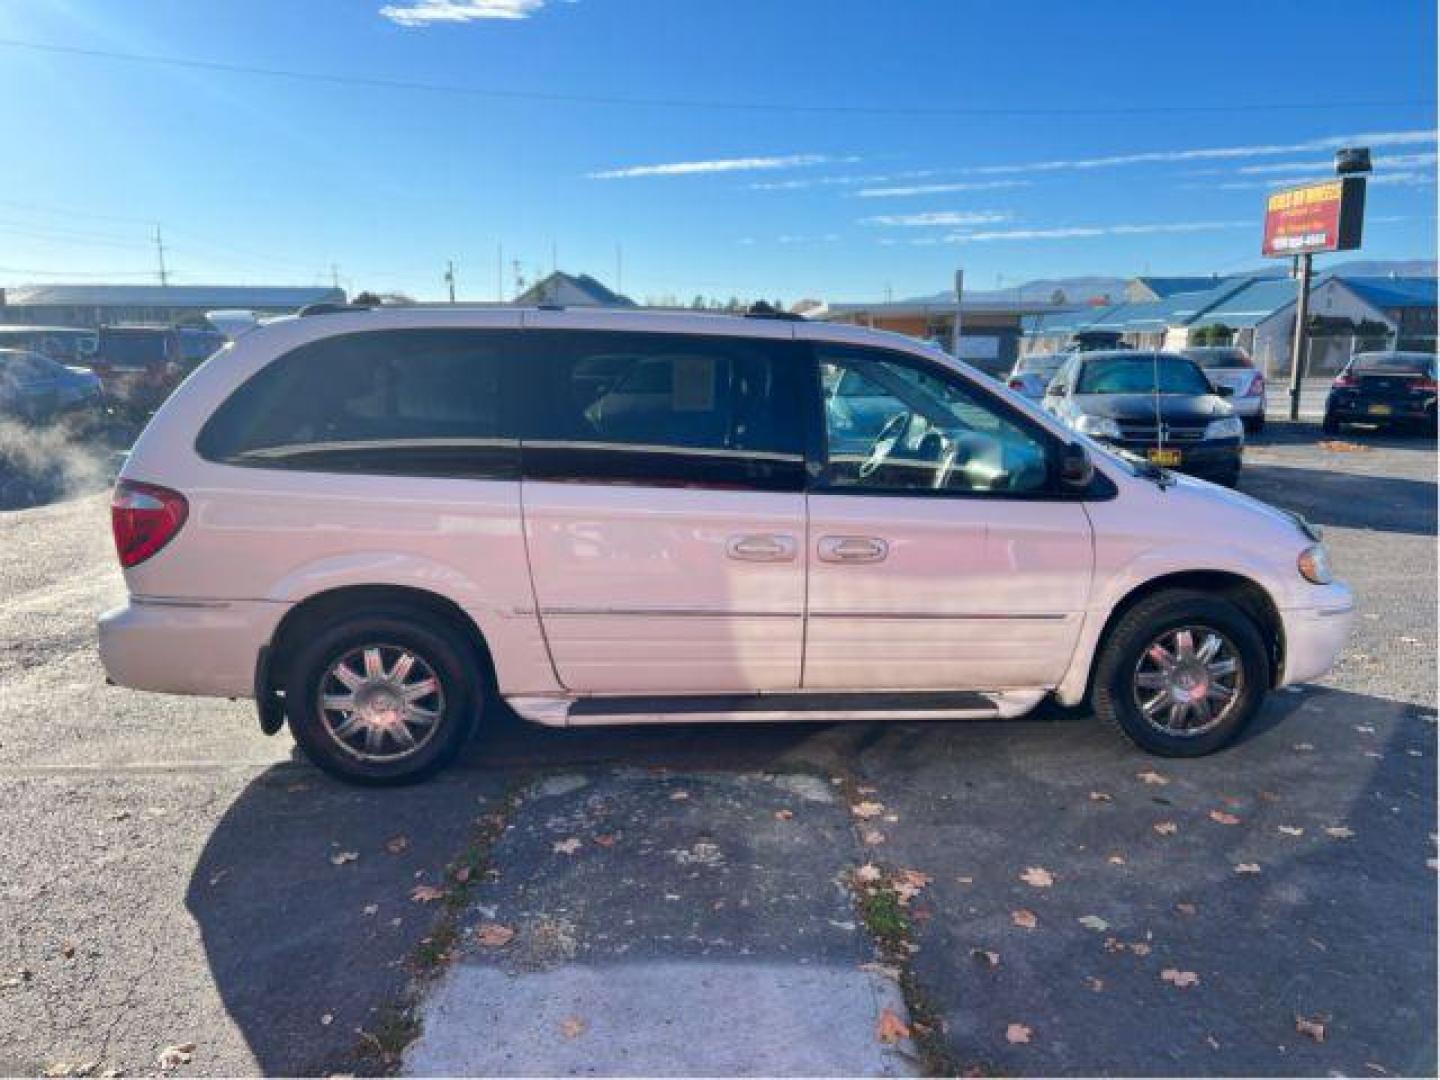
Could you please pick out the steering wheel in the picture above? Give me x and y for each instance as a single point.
(947, 464)
(885, 442)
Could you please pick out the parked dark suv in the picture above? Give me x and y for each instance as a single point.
(1389, 389)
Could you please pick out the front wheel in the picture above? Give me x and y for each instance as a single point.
(1182, 673)
(383, 698)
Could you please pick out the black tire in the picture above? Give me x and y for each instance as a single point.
(436, 644)
(1330, 426)
(1114, 695)
(1255, 424)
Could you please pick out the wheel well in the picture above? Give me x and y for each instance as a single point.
(308, 616)
(1245, 594)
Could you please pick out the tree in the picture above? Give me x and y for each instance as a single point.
(1058, 297)
(698, 304)
(366, 299)
(1212, 334)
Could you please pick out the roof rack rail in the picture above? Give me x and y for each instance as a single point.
(331, 307)
(761, 310)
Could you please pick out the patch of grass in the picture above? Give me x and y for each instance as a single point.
(382, 1046)
(883, 916)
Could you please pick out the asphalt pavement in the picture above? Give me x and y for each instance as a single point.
(1030, 896)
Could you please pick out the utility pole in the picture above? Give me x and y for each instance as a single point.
(334, 276)
(160, 252)
(450, 277)
(499, 273)
(1302, 320)
(959, 297)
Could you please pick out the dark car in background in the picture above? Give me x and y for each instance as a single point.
(36, 389)
(64, 344)
(139, 365)
(1387, 389)
(1157, 406)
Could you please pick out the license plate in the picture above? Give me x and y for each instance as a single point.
(1379, 410)
(1164, 457)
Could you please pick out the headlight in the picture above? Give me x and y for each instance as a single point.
(1314, 565)
(1229, 428)
(1102, 427)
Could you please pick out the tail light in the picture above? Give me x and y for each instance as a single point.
(1257, 386)
(144, 518)
(1346, 381)
(1425, 386)
(1016, 384)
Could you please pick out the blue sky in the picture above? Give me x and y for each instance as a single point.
(828, 148)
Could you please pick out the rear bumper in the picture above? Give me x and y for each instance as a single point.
(187, 647)
(1362, 409)
(1315, 636)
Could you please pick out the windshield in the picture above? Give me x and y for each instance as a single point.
(132, 347)
(1138, 375)
(1415, 363)
(1210, 359)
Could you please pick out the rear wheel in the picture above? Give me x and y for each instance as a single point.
(1330, 426)
(383, 698)
(1182, 673)
(1255, 424)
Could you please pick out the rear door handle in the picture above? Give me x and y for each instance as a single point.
(762, 547)
(853, 549)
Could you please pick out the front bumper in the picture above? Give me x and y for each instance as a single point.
(1314, 636)
(187, 646)
(1213, 459)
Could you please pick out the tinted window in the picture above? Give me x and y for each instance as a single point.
(664, 408)
(892, 425)
(417, 402)
(1143, 373)
(132, 348)
(1406, 362)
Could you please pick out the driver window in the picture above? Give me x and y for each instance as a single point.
(893, 426)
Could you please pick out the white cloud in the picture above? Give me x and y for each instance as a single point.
(428, 12)
(717, 165)
(1402, 178)
(1372, 139)
(1071, 232)
(939, 217)
(940, 189)
(1382, 162)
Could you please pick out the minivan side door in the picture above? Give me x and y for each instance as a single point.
(942, 553)
(664, 506)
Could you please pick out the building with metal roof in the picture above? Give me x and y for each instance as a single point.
(573, 290)
(102, 305)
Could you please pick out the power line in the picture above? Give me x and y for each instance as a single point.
(385, 83)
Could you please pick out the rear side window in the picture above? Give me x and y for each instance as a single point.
(669, 409)
(408, 402)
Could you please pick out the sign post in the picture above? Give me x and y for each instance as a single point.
(1303, 220)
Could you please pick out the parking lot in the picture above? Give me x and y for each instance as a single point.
(1036, 896)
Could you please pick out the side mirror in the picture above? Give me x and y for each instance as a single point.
(1077, 471)
(1054, 390)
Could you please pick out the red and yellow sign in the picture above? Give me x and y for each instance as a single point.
(1314, 217)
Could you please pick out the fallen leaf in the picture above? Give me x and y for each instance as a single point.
(340, 858)
(679, 796)
(1017, 1033)
(1341, 446)
(1315, 1028)
(566, 847)
(425, 894)
(1095, 984)
(872, 837)
(1290, 830)
(1340, 832)
(884, 970)
(1304, 747)
(370, 909)
(1099, 796)
(1150, 776)
(1185, 908)
(1247, 868)
(67, 951)
(461, 874)
(1140, 948)
(867, 809)
(1038, 877)
(868, 873)
(1116, 860)
(1182, 979)
(605, 840)
(1220, 817)
(572, 1027)
(1166, 828)
(908, 883)
(986, 957)
(493, 935)
(396, 844)
(173, 1057)
(327, 1019)
(1025, 919)
(890, 1029)
(784, 815)
(1093, 922)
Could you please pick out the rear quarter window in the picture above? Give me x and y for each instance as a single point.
(411, 402)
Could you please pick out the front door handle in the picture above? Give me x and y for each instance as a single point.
(853, 549)
(762, 547)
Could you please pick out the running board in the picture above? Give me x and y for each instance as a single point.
(556, 711)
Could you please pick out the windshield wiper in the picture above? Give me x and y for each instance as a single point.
(1147, 469)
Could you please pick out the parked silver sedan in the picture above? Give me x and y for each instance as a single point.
(1032, 374)
(1231, 366)
(37, 389)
